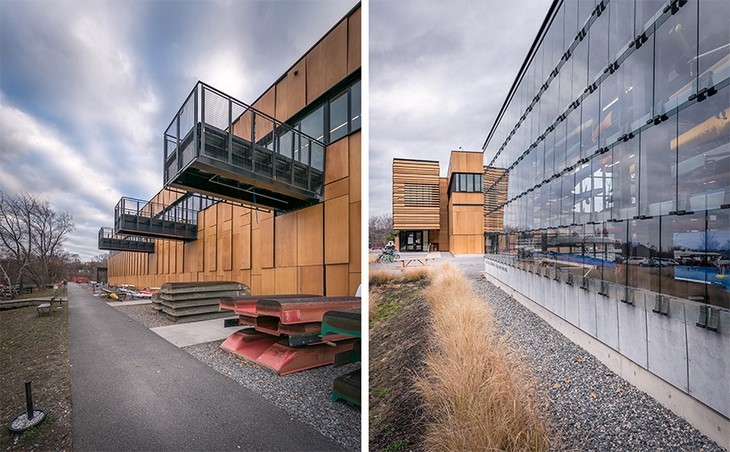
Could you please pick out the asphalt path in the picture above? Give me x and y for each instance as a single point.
(133, 390)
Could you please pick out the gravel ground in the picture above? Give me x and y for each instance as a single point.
(144, 314)
(304, 395)
(592, 407)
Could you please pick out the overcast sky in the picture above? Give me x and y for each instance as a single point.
(87, 88)
(439, 73)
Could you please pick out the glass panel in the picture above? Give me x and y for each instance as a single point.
(610, 113)
(646, 12)
(581, 200)
(312, 125)
(285, 142)
(703, 144)
(598, 45)
(714, 45)
(634, 79)
(589, 125)
(355, 106)
(621, 26)
(691, 272)
(643, 246)
(675, 56)
(338, 117)
(657, 188)
(624, 200)
(580, 69)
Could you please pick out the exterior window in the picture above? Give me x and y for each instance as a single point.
(312, 125)
(466, 183)
(338, 117)
(355, 107)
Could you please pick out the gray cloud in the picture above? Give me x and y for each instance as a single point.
(87, 88)
(440, 72)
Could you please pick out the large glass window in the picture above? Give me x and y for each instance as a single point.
(657, 187)
(598, 45)
(621, 26)
(623, 194)
(703, 144)
(675, 58)
(714, 37)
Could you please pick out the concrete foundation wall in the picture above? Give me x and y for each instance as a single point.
(669, 346)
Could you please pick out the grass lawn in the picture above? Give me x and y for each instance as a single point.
(35, 349)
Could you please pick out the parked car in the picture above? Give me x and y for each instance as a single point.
(640, 261)
(663, 262)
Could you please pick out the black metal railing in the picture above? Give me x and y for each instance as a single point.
(152, 219)
(220, 146)
(109, 240)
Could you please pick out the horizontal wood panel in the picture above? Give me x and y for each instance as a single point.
(416, 194)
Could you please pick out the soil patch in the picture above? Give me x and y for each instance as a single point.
(35, 349)
(399, 325)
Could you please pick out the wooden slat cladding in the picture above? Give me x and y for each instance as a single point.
(465, 162)
(495, 197)
(415, 194)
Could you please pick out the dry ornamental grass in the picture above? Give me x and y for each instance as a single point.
(478, 394)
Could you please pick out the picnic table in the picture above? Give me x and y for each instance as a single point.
(413, 261)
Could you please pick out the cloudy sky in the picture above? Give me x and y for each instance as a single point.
(439, 73)
(87, 88)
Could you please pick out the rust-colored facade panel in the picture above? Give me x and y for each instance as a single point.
(286, 280)
(337, 230)
(291, 91)
(355, 241)
(310, 236)
(354, 41)
(337, 280)
(286, 240)
(337, 161)
(311, 279)
(327, 62)
(355, 172)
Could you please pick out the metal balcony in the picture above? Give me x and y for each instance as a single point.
(219, 146)
(110, 241)
(176, 221)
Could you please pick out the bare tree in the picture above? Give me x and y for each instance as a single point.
(380, 229)
(31, 237)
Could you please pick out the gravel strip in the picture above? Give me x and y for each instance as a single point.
(304, 395)
(592, 408)
(144, 314)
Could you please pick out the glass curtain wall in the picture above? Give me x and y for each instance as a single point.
(617, 142)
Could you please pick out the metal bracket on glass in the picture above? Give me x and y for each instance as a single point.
(628, 297)
(640, 40)
(709, 318)
(603, 289)
(661, 305)
(569, 279)
(674, 6)
(584, 283)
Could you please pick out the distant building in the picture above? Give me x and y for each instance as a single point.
(433, 213)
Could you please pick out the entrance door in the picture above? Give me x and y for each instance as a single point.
(411, 240)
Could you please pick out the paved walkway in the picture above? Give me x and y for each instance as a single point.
(133, 390)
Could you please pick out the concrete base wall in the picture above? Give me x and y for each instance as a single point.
(684, 367)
